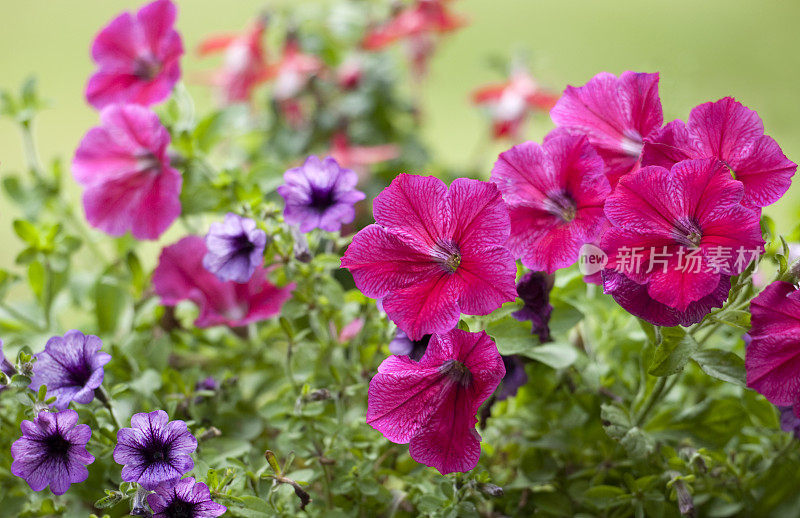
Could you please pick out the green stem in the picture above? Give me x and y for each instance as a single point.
(652, 399)
(29, 146)
(105, 399)
(19, 316)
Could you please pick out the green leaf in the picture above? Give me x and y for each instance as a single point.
(673, 352)
(556, 355)
(512, 336)
(26, 231)
(723, 365)
(36, 275)
(615, 420)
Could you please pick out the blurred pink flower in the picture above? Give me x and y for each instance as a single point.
(180, 275)
(137, 56)
(431, 404)
(730, 132)
(124, 168)
(616, 114)
(434, 253)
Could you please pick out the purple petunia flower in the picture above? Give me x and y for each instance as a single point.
(402, 345)
(71, 366)
(155, 451)
(235, 248)
(186, 499)
(789, 421)
(52, 451)
(534, 290)
(320, 194)
(515, 377)
(6, 366)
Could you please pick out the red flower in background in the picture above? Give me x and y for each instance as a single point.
(360, 157)
(417, 25)
(509, 103)
(244, 66)
(293, 72)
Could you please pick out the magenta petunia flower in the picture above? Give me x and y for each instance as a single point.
(677, 236)
(320, 194)
(186, 499)
(734, 134)
(52, 451)
(71, 367)
(434, 253)
(772, 361)
(155, 450)
(431, 404)
(555, 194)
(125, 171)
(180, 275)
(137, 56)
(235, 248)
(616, 114)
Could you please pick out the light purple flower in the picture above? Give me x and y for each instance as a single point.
(320, 194)
(52, 451)
(155, 450)
(235, 248)
(789, 421)
(187, 499)
(6, 366)
(72, 368)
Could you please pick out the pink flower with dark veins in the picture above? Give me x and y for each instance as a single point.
(555, 195)
(434, 253)
(616, 114)
(676, 238)
(128, 182)
(772, 358)
(137, 56)
(431, 404)
(730, 132)
(180, 275)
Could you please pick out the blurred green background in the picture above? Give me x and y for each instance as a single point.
(703, 50)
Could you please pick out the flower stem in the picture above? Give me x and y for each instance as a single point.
(105, 399)
(652, 398)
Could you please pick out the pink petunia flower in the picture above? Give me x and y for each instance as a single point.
(124, 168)
(616, 114)
(180, 275)
(510, 102)
(772, 361)
(137, 56)
(244, 66)
(431, 404)
(677, 236)
(555, 193)
(734, 134)
(434, 253)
